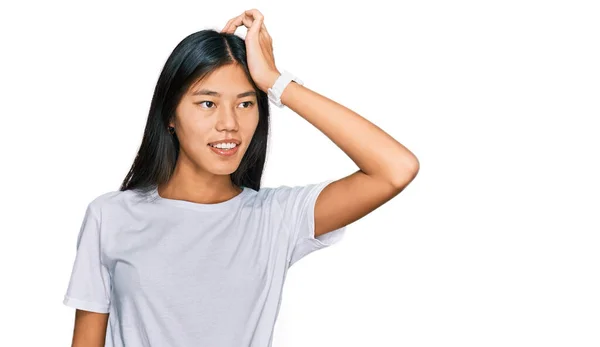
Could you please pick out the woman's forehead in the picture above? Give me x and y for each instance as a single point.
(223, 82)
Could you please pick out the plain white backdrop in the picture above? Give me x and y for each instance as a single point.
(495, 243)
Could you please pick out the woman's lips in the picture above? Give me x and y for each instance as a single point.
(224, 152)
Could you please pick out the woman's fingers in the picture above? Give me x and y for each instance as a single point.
(257, 15)
(246, 19)
(236, 22)
(254, 29)
(254, 13)
(233, 24)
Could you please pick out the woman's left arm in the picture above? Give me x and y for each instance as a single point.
(376, 153)
(386, 166)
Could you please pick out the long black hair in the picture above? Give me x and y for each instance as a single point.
(193, 58)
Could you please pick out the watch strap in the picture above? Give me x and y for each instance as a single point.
(278, 87)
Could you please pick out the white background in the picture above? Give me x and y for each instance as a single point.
(495, 243)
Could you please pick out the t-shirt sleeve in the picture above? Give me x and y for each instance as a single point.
(89, 286)
(298, 215)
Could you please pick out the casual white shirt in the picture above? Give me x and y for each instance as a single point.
(177, 273)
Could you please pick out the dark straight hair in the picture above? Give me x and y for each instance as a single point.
(194, 58)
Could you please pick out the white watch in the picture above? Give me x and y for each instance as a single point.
(274, 93)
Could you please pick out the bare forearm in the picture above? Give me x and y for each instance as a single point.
(374, 151)
(89, 329)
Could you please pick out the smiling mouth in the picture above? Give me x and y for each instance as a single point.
(235, 145)
(225, 152)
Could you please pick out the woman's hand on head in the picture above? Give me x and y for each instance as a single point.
(259, 47)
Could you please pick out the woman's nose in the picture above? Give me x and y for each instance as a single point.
(227, 118)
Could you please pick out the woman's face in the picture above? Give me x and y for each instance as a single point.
(221, 106)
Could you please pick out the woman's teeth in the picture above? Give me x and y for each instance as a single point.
(224, 145)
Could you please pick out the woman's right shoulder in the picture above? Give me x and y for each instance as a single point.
(111, 198)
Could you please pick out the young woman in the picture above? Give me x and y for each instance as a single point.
(191, 251)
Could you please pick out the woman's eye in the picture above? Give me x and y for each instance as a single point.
(209, 103)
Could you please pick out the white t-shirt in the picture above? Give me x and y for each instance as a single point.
(177, 273)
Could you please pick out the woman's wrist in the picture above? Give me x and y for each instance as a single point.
(270, 81)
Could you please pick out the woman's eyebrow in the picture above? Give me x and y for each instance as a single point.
(212, 92)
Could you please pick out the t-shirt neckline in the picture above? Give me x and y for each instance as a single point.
(197, 206)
